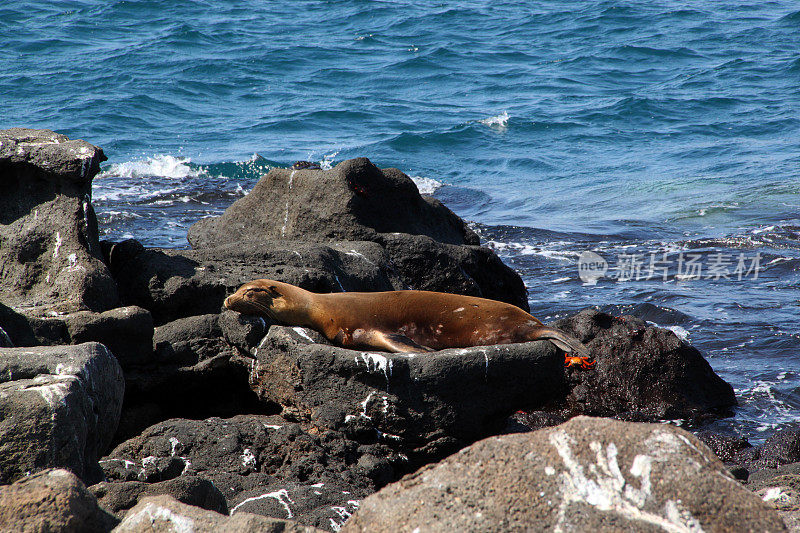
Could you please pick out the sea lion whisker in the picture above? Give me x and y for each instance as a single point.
(258, 305)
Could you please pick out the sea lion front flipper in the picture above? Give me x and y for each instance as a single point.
(400, 343)
(392, 342)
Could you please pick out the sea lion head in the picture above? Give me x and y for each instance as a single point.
(266, 297)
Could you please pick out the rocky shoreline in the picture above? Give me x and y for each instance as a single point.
(131, 400)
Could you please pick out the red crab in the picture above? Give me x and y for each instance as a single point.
(582, 362)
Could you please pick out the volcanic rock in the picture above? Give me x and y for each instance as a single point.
(642, 373)
(252, 459)
(52, 500)
(584, 475)
(783, 493)
(166, 514)
(187, 341)
(217, 385)
(425, 264)
(49, 248)
(126, 331)
(175, 284)
(119, 497)
(353, 201)
(59, 407)
(428, 404)
(243, 331)
(782, 448)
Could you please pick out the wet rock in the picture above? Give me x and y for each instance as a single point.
(164, 513)
(187, 341)
(59, 407)
(643, 373)
(584, 475)
(726, 447)
(249, 457)
(120, 496)
(780, 449)
(49, 245)
(353, 201)
(52, 500)
(428, 404)
(126, 331)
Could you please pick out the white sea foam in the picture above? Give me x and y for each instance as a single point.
(326, 163)
(498, 122)
(680, 332)
(762, 230)
(158, 165)
(426, 185)
(518, 248)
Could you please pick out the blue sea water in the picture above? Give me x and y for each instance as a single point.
(630, 129)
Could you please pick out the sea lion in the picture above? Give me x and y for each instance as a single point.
(398, 321)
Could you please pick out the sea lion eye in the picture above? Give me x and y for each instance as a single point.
(272, 291)
(256, 289)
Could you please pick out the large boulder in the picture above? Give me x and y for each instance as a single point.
(126, 331)
(261, 464)
(49, 249)
(52, 500)
(585, 475)
(59, 407)
(780, 449)
(423, 245)
(353, 201)
(166, 514)
(427, 404)
(642, 373)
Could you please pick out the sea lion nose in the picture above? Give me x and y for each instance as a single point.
(227, 302)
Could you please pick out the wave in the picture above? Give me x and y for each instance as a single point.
(498, 122)
(426, 186)
(166, 166)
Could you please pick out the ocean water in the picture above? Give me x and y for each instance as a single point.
(632, 130)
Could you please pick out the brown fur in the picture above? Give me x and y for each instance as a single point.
(389, 320)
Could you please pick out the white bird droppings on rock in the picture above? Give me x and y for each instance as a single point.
(606, 489)
(248, 459)
(281, 495)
